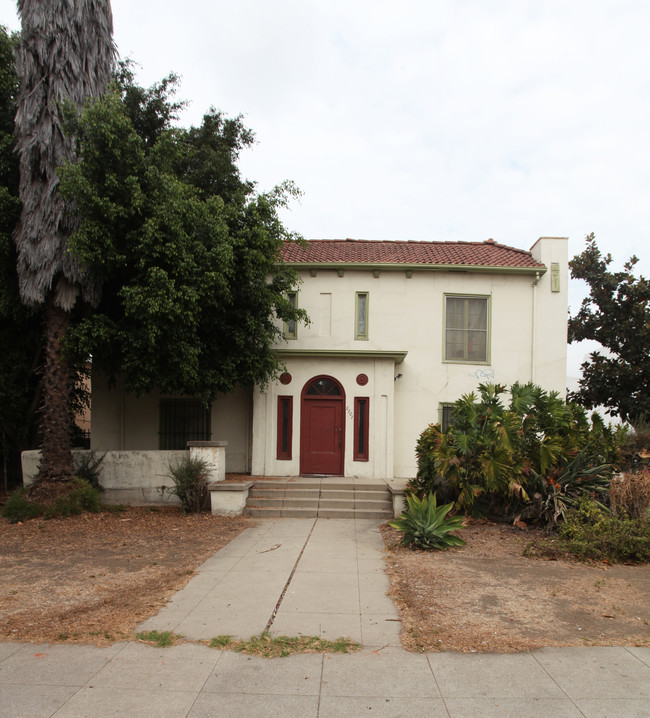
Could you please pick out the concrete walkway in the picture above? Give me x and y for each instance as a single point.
(313, 577)
(336, 587)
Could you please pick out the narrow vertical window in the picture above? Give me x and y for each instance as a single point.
(285, 426)
(361, 417)
(446, 416)
(361, 316)
(290, 327)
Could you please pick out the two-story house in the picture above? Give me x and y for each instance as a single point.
(399, 330)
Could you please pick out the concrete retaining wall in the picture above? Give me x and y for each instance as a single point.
(127, 477)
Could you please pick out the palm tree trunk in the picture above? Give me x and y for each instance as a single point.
(56, 464)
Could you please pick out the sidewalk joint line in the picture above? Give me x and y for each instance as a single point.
(286, 585)
(573, 703)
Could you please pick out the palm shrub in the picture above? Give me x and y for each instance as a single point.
(554, 493)
(425, 524)
(536, 452)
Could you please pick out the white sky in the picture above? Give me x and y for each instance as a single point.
(425, 119)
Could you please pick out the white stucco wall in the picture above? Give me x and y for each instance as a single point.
(125, 422)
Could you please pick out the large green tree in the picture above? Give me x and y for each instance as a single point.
(616, 313)
(186, 252)
(65, 55)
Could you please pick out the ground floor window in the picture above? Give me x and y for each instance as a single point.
(361, 420)
(285, 426)
(183, 420)
(446, 417)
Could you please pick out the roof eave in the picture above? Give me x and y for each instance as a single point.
(417, 267)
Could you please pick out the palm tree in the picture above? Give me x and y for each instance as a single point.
(66, 53)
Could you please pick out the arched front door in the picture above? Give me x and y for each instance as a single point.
(322, 427)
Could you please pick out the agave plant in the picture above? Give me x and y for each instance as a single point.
(425, 525)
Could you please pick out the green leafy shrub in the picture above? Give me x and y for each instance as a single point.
(424, 524)
(79, 497)
(591, 532)
(20, 508)
(191, 478)
(536, 454)
(87, 467)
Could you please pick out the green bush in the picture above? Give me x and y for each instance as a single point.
(20, 508)
(591, 532)
(80, 497)
(424, 524)
(191, 478)
(533, 456)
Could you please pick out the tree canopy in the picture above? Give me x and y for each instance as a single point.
(616, 313)
(187, 255)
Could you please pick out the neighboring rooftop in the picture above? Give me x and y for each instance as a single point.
(360, 251)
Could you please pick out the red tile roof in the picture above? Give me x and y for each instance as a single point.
(359, 251)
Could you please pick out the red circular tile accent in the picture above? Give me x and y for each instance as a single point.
(285, 378)
(362, 379)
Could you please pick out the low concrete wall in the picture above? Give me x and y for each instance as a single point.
(214, 455)
(229, 499)
(397, 488)
(127, 477)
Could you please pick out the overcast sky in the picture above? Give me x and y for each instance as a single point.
(424, 119)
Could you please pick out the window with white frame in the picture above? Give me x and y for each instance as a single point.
(467, 329)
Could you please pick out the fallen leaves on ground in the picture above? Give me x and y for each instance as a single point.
(93, 577)
(487, 597)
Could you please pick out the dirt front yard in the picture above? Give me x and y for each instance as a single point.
(487, 597)
(92, 578)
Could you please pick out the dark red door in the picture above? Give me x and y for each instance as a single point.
(321, 428)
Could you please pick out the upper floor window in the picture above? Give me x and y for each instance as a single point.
(361, 316)
(466, 329)
(291, 327)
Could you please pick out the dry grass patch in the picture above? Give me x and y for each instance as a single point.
(92, 578)
(487, 597)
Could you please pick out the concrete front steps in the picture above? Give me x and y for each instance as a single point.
(323, 498)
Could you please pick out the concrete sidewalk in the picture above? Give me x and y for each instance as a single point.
(131, 680)
(313, 577)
